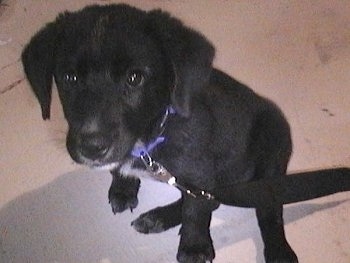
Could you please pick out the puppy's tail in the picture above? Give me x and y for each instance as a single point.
(285, 189)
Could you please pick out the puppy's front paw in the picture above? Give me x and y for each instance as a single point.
(196, 254)
(122, 194)
(121, 202)
(148, 223)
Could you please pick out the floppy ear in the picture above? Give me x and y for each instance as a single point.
(190, 55)
(38, 62)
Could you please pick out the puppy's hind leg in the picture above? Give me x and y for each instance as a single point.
(196, 244)
(270, 219)
(159, 219)
(277, 249)
(271, 146)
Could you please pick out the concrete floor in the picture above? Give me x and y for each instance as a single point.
(295, 52)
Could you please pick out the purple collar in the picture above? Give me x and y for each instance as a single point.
(157, 170)
(144, 149)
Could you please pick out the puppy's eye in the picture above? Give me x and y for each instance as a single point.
(70, 77)
(135, 78)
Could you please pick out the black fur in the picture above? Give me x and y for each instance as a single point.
(117, 68)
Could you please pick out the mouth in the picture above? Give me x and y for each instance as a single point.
(108, 163)
(101, 165)
(90, 153)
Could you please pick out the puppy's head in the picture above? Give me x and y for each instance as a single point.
(116, 69)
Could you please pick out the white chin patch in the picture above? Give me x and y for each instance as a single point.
(127, 169)
(106, 167)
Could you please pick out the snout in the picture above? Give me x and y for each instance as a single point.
(94, 149)
(99, 145)
(93, 146)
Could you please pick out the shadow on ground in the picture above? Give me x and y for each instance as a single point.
(70, 221)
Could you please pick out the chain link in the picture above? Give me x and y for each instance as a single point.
(160, 173)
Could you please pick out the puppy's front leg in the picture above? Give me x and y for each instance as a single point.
(123, 192)
(159, 219)
(195, 243)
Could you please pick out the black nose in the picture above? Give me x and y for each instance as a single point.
(94, 146)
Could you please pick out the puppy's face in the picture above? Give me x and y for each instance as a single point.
(113, 85)
(116, 69)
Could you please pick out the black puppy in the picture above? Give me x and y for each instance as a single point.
(140, 95)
